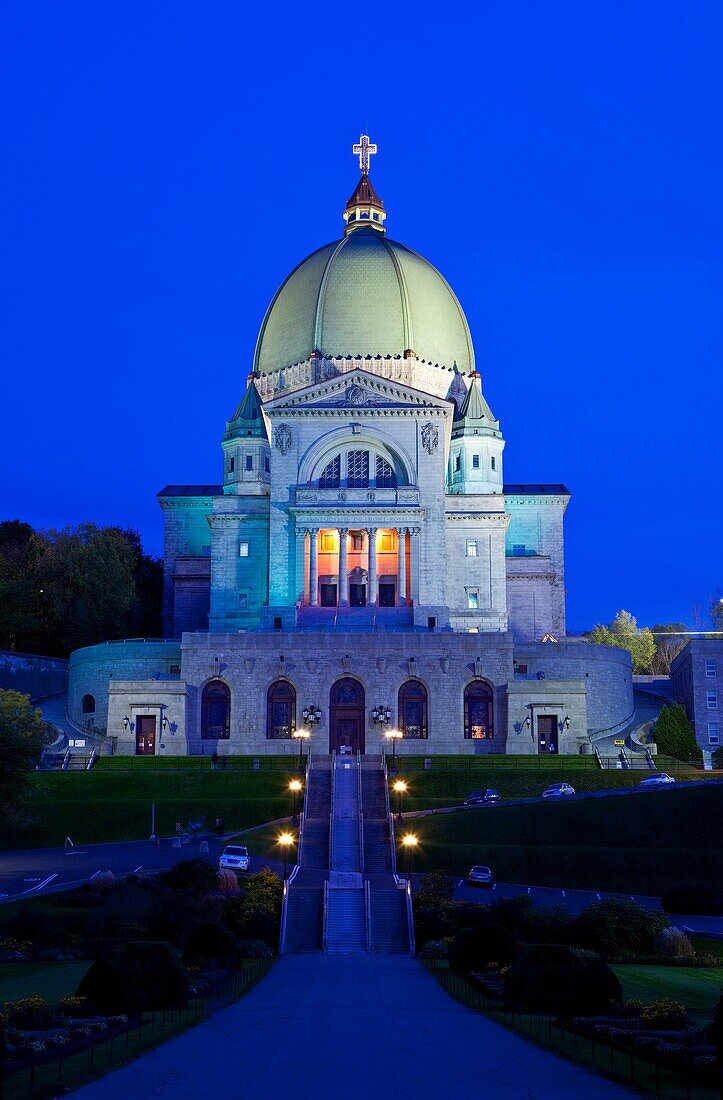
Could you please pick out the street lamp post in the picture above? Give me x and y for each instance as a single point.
(410, 843)
(401, 788)
(301, 735)
(394, 736)
(285, 842)
(294, 787)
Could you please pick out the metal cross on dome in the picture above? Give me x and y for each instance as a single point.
(364, 149)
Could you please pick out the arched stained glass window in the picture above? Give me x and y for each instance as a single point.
(385, 476)
(215, 711)
(357, 472)
(412, 709)
(280, 710)
(331, 474)
(478, 711)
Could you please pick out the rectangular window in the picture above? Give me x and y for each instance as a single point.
(243, 549)
(471, 548)
(493, 461)
(328, 542)
(518, 550)
(231, 464)
(457, 463)
(266, 464)
(386, 542)
(243, 600)
(475, 462)
(473, 598)
(356, 540)
(712, 700)
(249, 462)
(710, 668)
(713, 733)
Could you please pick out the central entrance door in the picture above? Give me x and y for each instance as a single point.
(357, 595)
(145, 734)
(346, 717)
(547, 732)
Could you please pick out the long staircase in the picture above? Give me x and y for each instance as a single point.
(345, 895)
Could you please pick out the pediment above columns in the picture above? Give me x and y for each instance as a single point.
(358, 392)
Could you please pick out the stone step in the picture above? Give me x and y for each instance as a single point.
(304, 920)
(389, 924)
(346, 922)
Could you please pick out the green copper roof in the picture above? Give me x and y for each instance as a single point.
(364, 295)
(474, 412)
(248, 420)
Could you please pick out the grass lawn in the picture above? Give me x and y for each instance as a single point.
(641, 844)
(111, 804)
(693, 987)
(51, 980)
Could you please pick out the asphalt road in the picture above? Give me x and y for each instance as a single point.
(27, 874)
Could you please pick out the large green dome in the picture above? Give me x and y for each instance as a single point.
(360, 296)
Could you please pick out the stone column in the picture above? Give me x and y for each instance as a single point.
(343, 567)
(314, 566)
(414, 563)
(372, 566)
(402, 566)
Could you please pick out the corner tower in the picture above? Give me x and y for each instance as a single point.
(475, 456)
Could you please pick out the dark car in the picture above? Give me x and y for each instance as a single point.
(483, 798)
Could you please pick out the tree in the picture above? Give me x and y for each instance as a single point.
(670, 639)
(21, 741)
(624, 633)
(674, 734)
(716, 612)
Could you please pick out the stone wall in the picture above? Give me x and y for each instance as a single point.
(92, 669)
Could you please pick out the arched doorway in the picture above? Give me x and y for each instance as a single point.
(346, 716)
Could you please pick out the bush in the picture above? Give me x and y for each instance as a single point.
(479, 948)
(435, 949)
(191, 874)
(674, 734)
(674, 944)
(256, 915)
(212, 943)
(704, 900)
(228, 881)
(716, 1029)
(664, 1015)
(618, 927)
(435, 887)
(718, 758)
(550, 978)
(135, 977)
(32, 1013)
(512, 913)
(548, 924)
(255, 949)
(104, 882)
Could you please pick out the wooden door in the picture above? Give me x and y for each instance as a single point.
(547, 732)
(346, 716)
(145, 734)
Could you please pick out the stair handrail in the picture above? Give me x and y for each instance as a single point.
(360, 803)
(331, 810)
(410, 918)
(390, 816)
(368, 914)
(626, 762)
(325, 922)
(284, 909)
(302, 815)
(651, 763)
(91, 759)
(598, 757)
(67, 757)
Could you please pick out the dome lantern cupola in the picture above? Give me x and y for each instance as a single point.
(364, 207)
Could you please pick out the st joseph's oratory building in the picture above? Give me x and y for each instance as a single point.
(363, 566)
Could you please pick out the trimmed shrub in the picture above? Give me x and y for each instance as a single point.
(704, 900)
(674, 944)
(479, 948)
(552, 979)
(212, 943)
(191, 874)
(674, 734)
(134, 977)
(228, 881)
(617, 928)
(664, 1015)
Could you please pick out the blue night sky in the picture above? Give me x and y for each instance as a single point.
(167, 163)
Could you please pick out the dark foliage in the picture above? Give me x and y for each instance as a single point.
(210, 943)
(191, 874)
(135, 977)
(255, 949)
(716, 1029)
(476, 949)
(552, 979)
(674, 734)
(617, 928)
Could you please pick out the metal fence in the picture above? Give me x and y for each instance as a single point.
(38, 1074)
(643, 1070)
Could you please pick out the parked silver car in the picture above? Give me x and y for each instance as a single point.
(558, 790)
(480, 875)
(660, 779)
(234, 857)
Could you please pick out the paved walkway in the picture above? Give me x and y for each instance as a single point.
(349, 1027)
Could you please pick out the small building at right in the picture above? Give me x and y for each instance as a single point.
(696, 676)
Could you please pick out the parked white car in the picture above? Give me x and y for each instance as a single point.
(558, 790)
(234, 857)
(480, 876)
(660, 779)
